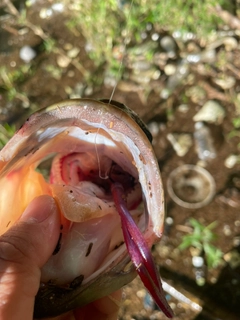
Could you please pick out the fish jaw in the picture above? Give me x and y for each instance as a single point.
(105, 131)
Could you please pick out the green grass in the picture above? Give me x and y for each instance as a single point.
(202, 238)
(6, 132)
(104, 24)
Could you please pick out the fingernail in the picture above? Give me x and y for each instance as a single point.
(39, 209)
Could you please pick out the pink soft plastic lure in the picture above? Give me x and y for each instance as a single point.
(96, 160)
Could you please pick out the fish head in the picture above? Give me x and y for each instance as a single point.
(96, 160)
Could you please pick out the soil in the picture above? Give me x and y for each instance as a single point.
(220, 295)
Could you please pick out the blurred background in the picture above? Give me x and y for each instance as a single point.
(177, 64)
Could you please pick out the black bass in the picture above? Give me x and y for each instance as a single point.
(105, 179)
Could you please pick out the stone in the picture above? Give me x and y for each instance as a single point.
(211, 112)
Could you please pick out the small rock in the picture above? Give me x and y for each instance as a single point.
(45, 13)
(196, 94)
(192, 47)
(230, 43)
(184, 108)
(211, 112)
(144, 35)
(197, 261)
(225, 82)
(236, 241)
(58, 7)
(88, 91)
(193, 58)
(177, 78)
(227, 230)
(63, 61)
(73, 53)
(165, 93)
(169, 221)
(231, 161)
(141, 65)
(181, 142)
(232, 258)
(155, 36)
(169, 69)
(237, 223)
(154, 128)
(208, 56)
(27, 53)
(169, 45)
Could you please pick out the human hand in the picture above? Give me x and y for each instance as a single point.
(24, 249)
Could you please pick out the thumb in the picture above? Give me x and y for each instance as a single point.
(24, 249)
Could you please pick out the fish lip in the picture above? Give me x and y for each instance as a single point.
(52, 301)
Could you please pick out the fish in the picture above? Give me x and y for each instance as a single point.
(95, 158)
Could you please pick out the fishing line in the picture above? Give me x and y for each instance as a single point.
(125, 42)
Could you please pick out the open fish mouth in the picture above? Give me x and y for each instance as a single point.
(105, 179)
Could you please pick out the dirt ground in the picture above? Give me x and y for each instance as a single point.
(49, 80)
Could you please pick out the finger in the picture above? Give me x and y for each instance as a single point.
(66, 316)
(24, 249)
(105, 308)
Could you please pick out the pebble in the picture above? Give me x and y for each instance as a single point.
(73, 53)
(231, 161)
(227, 82)
(154, 128)
(232, 258)
(196, 93)
(29, 3)
(237, 223)
(155, 36)
(230, 43)
(45, 13)
(141, 293)
(200, 280)
(193, 58)
(192, 47)
(27, 53)
(197, 261)
(144, 35)
(169, 45)
(208, 56)
(176, 79)
(48, 12)
(211, 112)
(165, 93)
(141, 65)
(236, 241)
(181, 142)
(58, 7)
(63, 61)
(184, 108)
(169, 221)
(88, 91)
(227, 230)
(170, 69)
